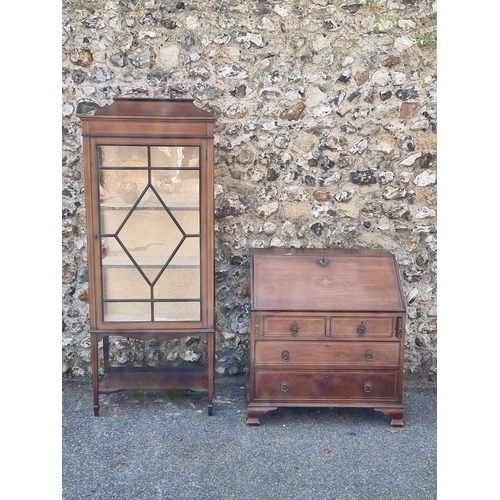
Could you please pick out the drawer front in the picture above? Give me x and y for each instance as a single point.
(325, 385)
(327, 353)
(294, 326)
(362, 327)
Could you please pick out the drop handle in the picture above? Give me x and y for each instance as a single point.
(284, 386)
(294, 329)
(285, 355)
(361, 330)
(369, 355)
(367, 387)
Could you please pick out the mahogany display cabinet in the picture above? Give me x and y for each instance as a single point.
(327, 330)
(150, 233)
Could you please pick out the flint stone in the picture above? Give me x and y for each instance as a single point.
(352, 8)
(235, 111)
(370, 128)
(385, 110)
(381, 78)
(426, 178)
(408, 162)
(67, 109)
(100, 74)
(78, 76)
(250, 38)
(320, 195)
(363, 177)
(317, 228)
(422, 124)
(230, 70)
(282, 141)
(402, 43)
(344, 77)
(425, 213)
(321, 110)
(322, 211)
(82, 57)
(394, 193)
(267, 210)
(295, 112)
(339, 97)
(391, 61)
(233, 206)
(386, 177)
(348, 128)
(343, 196)
(427, 160)
(358, 147)
(408, 93)
(118, 60)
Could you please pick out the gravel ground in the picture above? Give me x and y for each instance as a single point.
(156, 446)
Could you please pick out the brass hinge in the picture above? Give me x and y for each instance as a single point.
(399, 327)
(257, 325)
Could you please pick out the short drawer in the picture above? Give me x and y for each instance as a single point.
(362, 326)
(294, 326)
(327, 353)
(325, 385)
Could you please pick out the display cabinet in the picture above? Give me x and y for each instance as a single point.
(149, 206)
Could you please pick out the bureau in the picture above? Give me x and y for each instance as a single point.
(327, 330)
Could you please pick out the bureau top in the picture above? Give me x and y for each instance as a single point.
(333, 279)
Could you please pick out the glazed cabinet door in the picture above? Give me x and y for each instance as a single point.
(151, 233)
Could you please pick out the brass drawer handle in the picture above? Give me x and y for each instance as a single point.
(294, 329)
(285, 355)
(361, 330)
(323, 262)
(367, 387)
(369, 355)
(284, 386)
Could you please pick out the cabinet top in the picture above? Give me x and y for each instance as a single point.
(334, 279)
(149, 108)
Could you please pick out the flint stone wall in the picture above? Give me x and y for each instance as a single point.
(326, 136)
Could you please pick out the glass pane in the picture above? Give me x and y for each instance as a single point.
(175, 157)
(127, 311)
(188, 254)
(123, 156)
(178, 283)
(188, 220)
(120, 189)
(150, 235)
(124, 283)
(121, 279)
(177, 311)
(177, 188)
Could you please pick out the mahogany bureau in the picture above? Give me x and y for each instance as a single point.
(327, 330)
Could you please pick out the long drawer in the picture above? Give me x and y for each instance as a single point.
(325, 385)
(326, 353)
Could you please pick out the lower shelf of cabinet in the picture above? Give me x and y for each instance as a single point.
(192, 379)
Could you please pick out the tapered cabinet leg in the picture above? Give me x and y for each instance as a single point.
(211, 370)
(95, 371)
